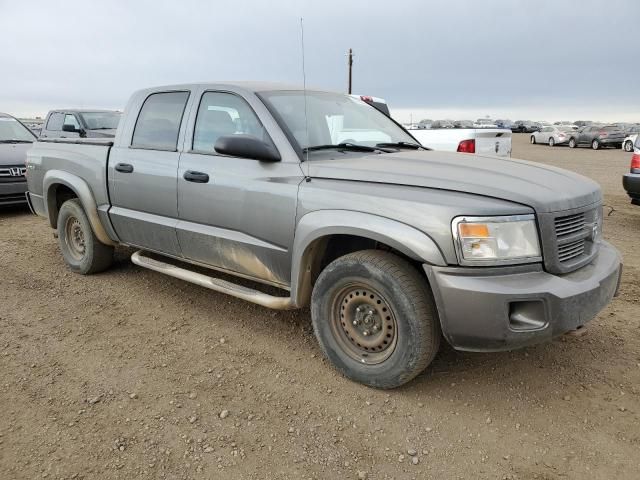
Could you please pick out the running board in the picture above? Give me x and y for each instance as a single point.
(222, 286)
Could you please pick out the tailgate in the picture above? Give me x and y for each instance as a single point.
(493, 141)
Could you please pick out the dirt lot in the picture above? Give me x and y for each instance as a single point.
(129, 374)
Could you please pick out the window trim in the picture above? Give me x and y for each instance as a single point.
(214, 153)
(135, 125)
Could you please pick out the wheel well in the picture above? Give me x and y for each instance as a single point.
(322, 251)
(59, 194)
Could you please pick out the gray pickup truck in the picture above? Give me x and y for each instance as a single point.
(330, 201)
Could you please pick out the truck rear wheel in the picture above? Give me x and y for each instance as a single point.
(81, 250)
(374, 317)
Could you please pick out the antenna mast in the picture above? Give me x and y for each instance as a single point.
(304, 87)
(350, 63)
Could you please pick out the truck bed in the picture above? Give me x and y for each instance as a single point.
(488, 141)
(83, 158)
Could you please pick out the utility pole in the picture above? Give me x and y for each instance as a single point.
(350, 62)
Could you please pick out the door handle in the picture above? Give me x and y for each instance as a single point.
(196, 177)
(124, 167)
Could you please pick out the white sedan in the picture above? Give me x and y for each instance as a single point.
(628, 142)
(553, 134)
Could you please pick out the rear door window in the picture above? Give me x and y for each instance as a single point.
(158, 123)
(55, 122)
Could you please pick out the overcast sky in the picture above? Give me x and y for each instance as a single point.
(538, 59)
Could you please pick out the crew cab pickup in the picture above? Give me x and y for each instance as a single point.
(482, 140)
(393, 246)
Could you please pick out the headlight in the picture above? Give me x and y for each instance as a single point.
(496, 240)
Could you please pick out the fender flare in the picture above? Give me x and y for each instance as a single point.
(324, 223)
(84, 194)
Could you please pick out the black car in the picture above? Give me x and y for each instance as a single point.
(15, 140)
(597, 136)
(525, 126)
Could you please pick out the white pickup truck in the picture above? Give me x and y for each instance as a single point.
(484, 141)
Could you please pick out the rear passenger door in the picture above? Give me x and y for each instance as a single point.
(143, 174)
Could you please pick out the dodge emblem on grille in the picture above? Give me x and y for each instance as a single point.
(15, 172)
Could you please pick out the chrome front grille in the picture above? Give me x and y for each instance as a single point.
(570, 238)
(15, 171)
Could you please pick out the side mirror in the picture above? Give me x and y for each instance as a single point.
(70, 128)
(246, 146)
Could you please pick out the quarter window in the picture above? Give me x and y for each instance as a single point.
(222, 114)
(55, 122)
(158, 123)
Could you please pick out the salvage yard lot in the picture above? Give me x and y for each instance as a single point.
(126, 375)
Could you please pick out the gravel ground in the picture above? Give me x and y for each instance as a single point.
(130, 374)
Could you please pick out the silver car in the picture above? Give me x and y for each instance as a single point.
(553, 134)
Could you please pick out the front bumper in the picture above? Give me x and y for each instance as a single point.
(631, 183)
(510, 307)
(12, 193)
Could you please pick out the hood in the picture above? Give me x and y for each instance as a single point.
(13, 153)
(544, 188)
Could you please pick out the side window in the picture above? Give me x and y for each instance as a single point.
(223, 114)
(55, 122)
(70, 119)
(159, 121)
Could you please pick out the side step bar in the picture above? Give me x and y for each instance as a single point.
(222, 286)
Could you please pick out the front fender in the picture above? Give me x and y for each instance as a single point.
(323, 223)
(58, 177)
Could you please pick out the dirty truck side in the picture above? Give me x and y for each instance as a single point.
(327, 199)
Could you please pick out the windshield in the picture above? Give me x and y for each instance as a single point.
(332, 119)
(13, 130)
(101, 120)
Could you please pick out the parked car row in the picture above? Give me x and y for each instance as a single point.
(594, 136)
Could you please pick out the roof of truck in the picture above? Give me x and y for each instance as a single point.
(246, 85)
(83, 110)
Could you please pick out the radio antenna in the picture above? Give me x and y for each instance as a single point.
(304, 88)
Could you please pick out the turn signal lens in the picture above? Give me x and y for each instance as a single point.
(475, 230)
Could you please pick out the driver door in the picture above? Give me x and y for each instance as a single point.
(235, 214)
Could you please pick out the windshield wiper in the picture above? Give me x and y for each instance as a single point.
(411, 145)
(355, 147)
(14, 140)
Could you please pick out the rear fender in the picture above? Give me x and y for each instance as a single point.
(52, 179)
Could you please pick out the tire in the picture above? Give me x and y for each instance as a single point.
(533, 140)
(572, 143)
(397, 309)
(595, 144)
(628, 146)
(552, 142)
(81, 250)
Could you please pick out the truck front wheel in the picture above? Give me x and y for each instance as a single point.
(82, 251)
(374, 317)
